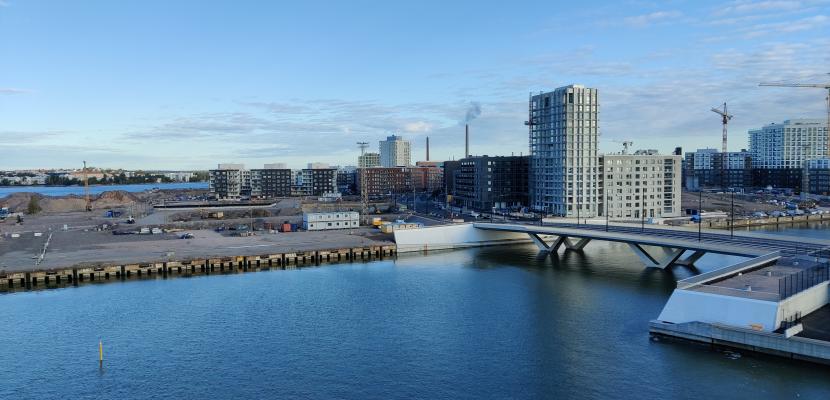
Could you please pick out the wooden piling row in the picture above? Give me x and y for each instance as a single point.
(202, 266)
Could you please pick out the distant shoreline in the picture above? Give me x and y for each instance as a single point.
(98, 189)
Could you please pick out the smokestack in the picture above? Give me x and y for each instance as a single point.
(466, 140)
(427, 148)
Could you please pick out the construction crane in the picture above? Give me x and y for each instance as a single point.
(825, 86)
(363, 146)
(725, 117)
(86, 190)
(626, 145)
(364, 194)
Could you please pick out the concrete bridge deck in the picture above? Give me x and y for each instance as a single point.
(676, 241)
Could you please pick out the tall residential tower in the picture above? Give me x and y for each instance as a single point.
(394, 152)
(564, 161)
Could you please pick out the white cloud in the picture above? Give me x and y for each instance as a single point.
(417, 127)
(803, 24)
(657, 17)
(745, 7)
(12, 90)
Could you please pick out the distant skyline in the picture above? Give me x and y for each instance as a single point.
(189, 84)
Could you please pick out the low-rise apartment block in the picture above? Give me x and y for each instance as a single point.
(641, 184)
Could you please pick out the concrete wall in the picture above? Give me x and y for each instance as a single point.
(805, 302)
(452, 236)
(690, 306)
(764, 342)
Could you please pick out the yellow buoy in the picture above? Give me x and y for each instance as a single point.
(100, 351)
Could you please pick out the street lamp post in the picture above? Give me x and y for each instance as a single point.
(643, 211)
(700, 215)
(607, 205)
(732, 216)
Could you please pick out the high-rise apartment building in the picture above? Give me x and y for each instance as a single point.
(368, 160)
(394, 152)
(788, 145)
(564, 169)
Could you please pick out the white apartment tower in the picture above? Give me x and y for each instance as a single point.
(564, 162)
(394, 152)
(788, 145)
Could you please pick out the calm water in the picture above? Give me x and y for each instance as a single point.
(820, 230)
(97, 189)
(494, 322)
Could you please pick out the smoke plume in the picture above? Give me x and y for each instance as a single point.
(473, 111)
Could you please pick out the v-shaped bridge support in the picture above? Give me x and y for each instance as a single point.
(560, 240)
(673, 257)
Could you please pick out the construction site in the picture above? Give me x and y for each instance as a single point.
(113, 229)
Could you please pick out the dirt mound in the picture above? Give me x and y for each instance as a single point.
(19, 202)
(117, 198)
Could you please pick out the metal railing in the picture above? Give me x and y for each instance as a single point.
(791, 321)
(800, 281)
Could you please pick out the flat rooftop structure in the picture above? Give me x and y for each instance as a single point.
(772, 281)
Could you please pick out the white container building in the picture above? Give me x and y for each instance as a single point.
(331, 220)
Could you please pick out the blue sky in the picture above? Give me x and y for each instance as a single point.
(187, 84)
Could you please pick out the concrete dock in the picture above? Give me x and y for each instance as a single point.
(60, 277)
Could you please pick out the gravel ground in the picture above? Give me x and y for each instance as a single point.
(82, 244)
(93, 248)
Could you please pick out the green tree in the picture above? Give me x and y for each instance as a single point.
(34, 206)
(200, 176)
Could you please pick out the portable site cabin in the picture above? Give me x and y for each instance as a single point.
(331, 220)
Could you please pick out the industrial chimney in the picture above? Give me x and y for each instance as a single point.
(427, 148)
(466, 140)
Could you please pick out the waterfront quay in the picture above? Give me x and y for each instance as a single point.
(74, 257)
(188, 267)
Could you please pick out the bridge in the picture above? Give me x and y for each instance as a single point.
(681, 246)
(676, 246)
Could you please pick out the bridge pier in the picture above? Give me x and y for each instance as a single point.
(560, 240)
(673, 257)
(690, 260)
(578, 245)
